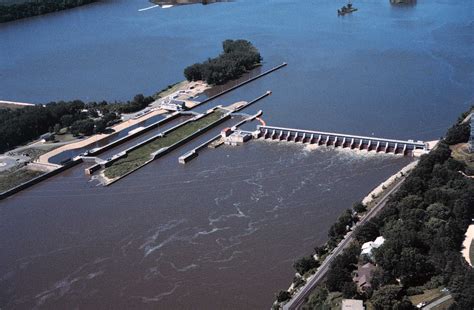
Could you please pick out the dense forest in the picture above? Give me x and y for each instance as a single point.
(238, 57)
(9, 12)
(19, 126)
(423, 225)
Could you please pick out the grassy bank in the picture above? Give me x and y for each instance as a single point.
(462, 154)
(141, 155)
(170, 89)
(12, 178)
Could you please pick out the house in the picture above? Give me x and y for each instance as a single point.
(363, 276)
(352, 304)
(369, 246)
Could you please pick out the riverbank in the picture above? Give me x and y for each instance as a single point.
(374, 196)
(468, 246)
(17, 9)
(189, 89)
(4, 104)
(421, 194)
(44, 159)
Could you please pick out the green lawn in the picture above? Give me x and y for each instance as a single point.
(461, 153)
(170, 89)
(141, 155)
(12, 178)
(444, 306)
(427, 296)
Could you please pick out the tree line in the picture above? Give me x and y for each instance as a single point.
(19, 126)
(238, 57)
(423, 225)
(36, 7)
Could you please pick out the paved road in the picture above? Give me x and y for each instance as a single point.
(299, 299)
(437, 302)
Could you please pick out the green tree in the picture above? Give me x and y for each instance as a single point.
(390, 297)
(57, 128)
(367, 232)
(359, 207)
(305, 264)
(238, 57)
(317, 299)
(283, 296)
(67, 120)
(85, 127)
(459, 133)
(349, 290)
(100, 126)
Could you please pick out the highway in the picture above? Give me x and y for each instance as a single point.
(299, 299)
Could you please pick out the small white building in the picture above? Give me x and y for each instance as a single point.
(352, 304)
(237, 137)
(369, 246)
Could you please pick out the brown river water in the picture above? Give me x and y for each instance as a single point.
(221, 232)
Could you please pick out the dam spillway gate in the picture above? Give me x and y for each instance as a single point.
(378, 145)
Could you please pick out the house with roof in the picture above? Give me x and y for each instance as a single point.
(363, 276)
(368, 247)
(352, 304)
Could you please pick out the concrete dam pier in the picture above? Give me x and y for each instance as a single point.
(378, 145)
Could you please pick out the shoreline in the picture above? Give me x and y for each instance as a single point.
(44, 159)
(390, 181)
(192, 89)
(467, 243)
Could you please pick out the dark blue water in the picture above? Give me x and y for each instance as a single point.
(222, 231)
(395, 71)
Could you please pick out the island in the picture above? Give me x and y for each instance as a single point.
(239, 56)
(16, 9)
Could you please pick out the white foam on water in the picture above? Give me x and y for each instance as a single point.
(223, 217)
(205, 233)
(185, 268)
(159, 296)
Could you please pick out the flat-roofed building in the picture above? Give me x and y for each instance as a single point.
(352, 304)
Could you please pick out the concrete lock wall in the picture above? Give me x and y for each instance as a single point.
(38, 179)
(129, 137)
(166, 150)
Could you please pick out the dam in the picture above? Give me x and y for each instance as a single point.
(378, 145)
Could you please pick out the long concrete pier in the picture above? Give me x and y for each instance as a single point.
(382, 145)
(242, 84)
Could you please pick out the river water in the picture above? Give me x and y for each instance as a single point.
(223, 230)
